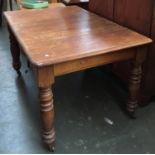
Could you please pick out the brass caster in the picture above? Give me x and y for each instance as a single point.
(132, 115)
(51, 148)
(19, 73)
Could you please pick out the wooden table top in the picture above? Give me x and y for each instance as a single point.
(55, 35)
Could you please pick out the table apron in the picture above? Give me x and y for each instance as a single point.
(89, 62)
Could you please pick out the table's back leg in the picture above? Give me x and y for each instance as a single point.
(135, 81)
(45, 79)
(11, 6)
(15, 51)
(134, 86)
(1, 11)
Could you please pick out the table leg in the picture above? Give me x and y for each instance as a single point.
(135, 81)
(1, 11)
(45, 80)
(10, 3)
(15, 51)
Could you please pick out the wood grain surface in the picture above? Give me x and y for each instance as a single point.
(64, 34)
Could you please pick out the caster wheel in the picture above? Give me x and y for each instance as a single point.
(51, 148)
(19, 73)
(132, 115)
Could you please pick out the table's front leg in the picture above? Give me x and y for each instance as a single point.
(135, 81)
(15, 52)
(45, 79)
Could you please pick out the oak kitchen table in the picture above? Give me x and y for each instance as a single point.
(58, 41)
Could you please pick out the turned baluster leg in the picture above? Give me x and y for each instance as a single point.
(134, 86)
(15, 52)
(45, 81)
(135, 81)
